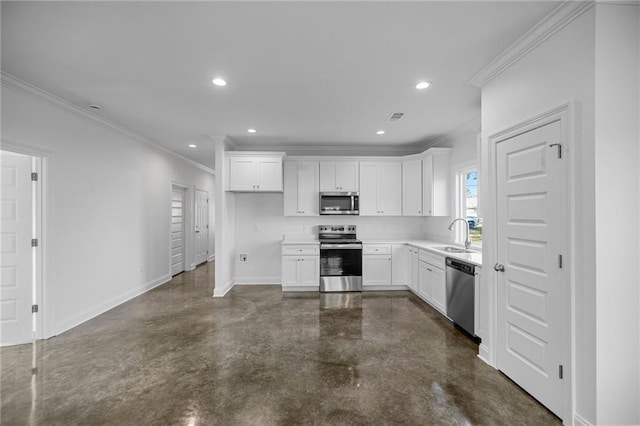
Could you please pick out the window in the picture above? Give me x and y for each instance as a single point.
(467, 205)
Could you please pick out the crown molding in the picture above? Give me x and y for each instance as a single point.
(557, 19)
(472, 125)
(332, 150)
(14, 83)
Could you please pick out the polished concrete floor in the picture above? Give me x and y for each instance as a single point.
(177, 356)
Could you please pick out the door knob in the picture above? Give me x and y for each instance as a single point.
(498, 267)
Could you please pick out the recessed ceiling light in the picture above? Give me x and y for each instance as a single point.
(192, 145)
(380, 132)
(252, 130)
(95, 106)
(423, 85)
(219, 82)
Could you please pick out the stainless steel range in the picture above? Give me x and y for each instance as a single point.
(340, 258)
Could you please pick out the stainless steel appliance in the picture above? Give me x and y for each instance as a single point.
(340, 203)
(460, 293)
(340, 258)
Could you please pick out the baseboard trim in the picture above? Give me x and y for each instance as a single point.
(310, 288)
(221, 291)
(485, 355)
(384, 287)
(257, 281)
(107, 305)
(578, 420)
(211, 258)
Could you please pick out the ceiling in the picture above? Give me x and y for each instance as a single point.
(301, 73)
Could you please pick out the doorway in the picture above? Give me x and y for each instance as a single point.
(201, 229)
(531, 250)
(20, 247)
(177, 230)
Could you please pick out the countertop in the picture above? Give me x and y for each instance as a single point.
(474, 258)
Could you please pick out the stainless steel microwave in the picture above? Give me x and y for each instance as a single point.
(340, 203)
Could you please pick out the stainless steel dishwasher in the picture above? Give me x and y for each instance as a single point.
(460, 293)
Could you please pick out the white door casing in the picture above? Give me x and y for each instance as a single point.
(17, 255)
(530, 238)
(201, 231)
(177, 230)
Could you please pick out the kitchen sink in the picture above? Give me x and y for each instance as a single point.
(451, 249)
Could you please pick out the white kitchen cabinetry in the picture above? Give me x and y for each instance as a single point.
(300, 268)
(376, 264)
(381, 189)
(255, 172)
(301, 186)
(436, 182)
(431, 275)
(399, 253)
(412, 187)
(412, 268)
(339, 176)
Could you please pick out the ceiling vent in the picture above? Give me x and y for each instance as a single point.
(395, 116)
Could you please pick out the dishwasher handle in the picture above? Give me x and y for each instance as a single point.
(461, 266)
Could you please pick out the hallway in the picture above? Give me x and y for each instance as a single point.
(175, 355)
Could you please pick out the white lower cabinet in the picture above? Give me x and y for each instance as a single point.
(438, 288)
(432, 282)
(399, 253)
(376, 269)
(411, 269)
(300, 268)
(376, 264)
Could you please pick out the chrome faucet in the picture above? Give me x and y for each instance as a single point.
(467, 241)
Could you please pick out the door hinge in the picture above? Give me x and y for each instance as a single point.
(560, 261)
(560, 372)
(34, 309)
(34, 242)
(34, 176)
(559, 145)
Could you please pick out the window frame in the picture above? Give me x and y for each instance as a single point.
(460, 201)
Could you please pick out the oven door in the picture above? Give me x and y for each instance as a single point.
(340, 267)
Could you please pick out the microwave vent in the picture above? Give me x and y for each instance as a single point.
(395, 116)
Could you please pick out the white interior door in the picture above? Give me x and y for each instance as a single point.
(530, 241)
(177, 230)
(16, 280)
(201, 236)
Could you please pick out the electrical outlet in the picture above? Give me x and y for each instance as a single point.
(243, 258)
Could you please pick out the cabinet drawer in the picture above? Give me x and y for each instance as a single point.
(300, 250)
(434, 259)
(376, 249)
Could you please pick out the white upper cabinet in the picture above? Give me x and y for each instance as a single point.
(301, 186)
(339, 176)
(412, 187)
(436, 182)
(381, 188)
(254, 172)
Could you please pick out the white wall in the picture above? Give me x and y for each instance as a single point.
(617, 196)
(225, 224)
(592, 62)
(260, 226)
(558, 71)
(108, 207)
